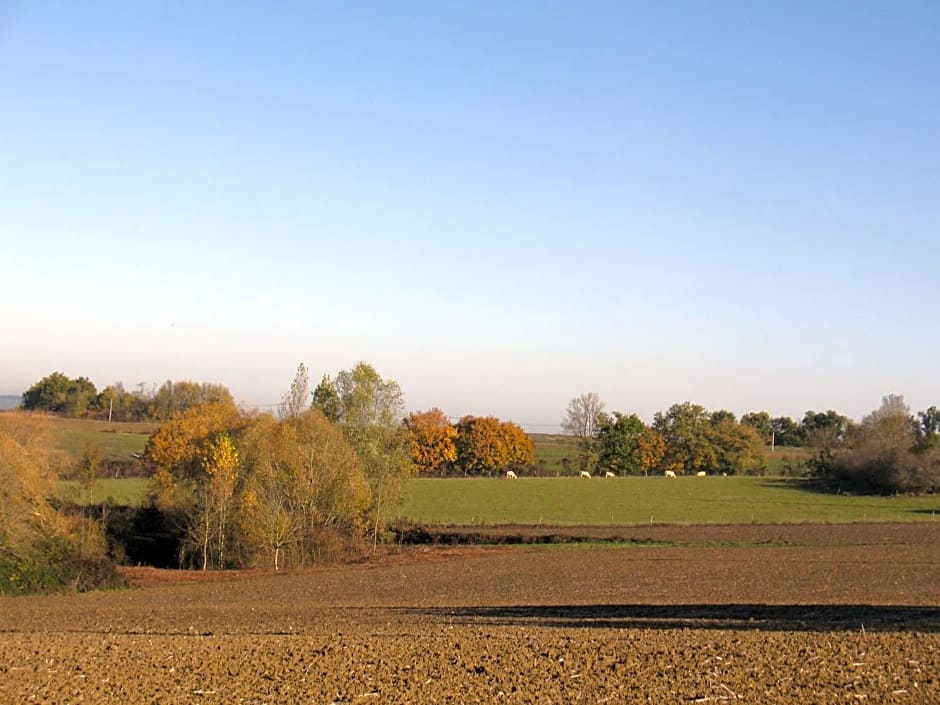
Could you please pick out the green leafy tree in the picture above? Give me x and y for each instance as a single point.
(825, 430)
(57, 393)
(619, 442)
(760, 422)
(326, 399)
(370, 413)
(685, 428)
(786, 432)
(928, 431)
(115, 403)
(48, 394)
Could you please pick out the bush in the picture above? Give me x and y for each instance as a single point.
(55, 566)
(885, 470)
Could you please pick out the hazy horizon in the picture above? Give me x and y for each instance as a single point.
(499, 206)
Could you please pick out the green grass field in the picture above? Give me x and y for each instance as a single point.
(636, 500)
(621, 501)
(118, 441)
(130, 491)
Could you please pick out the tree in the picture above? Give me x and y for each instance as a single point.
(57, 393)
(431, 437)
(486, 445)
(891, 424)
(41, 547)
(888, 454)
(80, 397)
(685, 427)
(48, 394)
(825, 430)
(618, 440)
(296, 401)
(253, 488)
(928, 432)
(714, 442)
(518, 449)
(650, 449)
(722, 415)
(196, 466)
(583, 419)
(479, 445)
(370, 414)
(326, 399)
(173, 398)
(28, 470)
(786, 432)
(304, 488)
(737, 447)
(760, 422)
(220, 463)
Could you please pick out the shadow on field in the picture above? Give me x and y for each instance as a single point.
(787, 618)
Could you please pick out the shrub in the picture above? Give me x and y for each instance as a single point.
(55, 566)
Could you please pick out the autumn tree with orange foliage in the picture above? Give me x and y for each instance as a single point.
(486, 445)
(432, 438)
(650, 450)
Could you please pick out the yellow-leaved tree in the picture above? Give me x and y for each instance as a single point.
(42, 548)
(304, 492)
(196, 474)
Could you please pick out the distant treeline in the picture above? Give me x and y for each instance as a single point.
(79, 398)
(891, 450)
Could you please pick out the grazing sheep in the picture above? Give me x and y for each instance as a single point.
(700, 473)
(609, 474)
(510, 475)
(670, 473)
(584, 473)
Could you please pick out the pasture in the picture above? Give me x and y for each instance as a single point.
(128, 492)
(653, 500)
(118, 441)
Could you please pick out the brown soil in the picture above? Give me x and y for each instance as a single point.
(752, 614)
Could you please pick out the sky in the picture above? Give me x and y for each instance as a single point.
(499, 205)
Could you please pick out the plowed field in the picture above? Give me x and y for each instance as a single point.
(800, 614)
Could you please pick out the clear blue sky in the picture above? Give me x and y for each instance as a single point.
(501, 205)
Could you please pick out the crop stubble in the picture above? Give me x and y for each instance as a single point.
(769, 615)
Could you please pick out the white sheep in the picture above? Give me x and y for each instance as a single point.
(510, 475)
(670, 473)
(609, 474)
(700, 473)
(584, 473)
